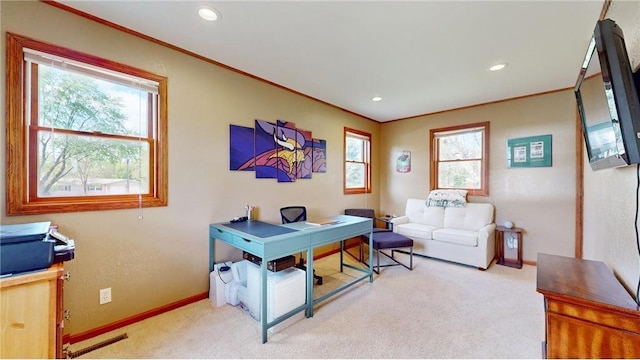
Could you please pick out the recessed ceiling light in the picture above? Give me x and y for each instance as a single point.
(498, 67)
(208, 14)
(376, 98)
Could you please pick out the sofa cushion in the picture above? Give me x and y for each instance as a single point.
(415, 230)
(474, 216)
(390, 240)
(426, 215)
(456, 236)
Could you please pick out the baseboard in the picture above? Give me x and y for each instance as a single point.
(529, 262)
(74, 338)
(348, 244)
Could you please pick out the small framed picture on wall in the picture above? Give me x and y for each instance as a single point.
(403, 162)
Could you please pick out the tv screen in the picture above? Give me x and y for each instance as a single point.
(608, 100)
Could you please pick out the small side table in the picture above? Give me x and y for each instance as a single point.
(509, 246)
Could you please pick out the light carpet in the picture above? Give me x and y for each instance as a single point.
(438, 310)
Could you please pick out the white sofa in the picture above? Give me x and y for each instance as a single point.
(463, 235)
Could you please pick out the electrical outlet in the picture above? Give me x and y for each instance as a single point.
(105, 296)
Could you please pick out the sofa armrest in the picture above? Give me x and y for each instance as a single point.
(486, 235)
(487, 241)
(399, 220)
(488, 228)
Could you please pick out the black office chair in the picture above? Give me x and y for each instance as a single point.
(291, 214)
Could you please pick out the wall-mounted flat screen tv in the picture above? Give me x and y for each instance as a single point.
(608, 102)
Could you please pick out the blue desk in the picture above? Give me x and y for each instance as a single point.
(271, 242)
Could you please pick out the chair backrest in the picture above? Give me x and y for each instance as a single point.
(369, 213)
(291, 214)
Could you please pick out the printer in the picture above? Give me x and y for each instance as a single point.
(29, 247)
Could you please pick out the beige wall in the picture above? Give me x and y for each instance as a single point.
(164, 257)
(609, 195)
(539, 200)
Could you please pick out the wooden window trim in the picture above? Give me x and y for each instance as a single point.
(433, 181)
(18, 199)
(367, 188)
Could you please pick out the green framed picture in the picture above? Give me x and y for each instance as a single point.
(532, 151)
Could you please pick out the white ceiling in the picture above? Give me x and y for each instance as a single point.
(419, 56)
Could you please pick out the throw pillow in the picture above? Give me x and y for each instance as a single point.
(446, 198)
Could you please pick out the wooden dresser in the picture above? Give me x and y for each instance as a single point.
(588, 312)
(31, 307)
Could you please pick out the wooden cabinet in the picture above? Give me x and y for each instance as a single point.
(588, 312)
(31, 314)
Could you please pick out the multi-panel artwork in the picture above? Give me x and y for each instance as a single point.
(276, 150)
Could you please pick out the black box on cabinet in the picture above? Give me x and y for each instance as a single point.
(273, 265)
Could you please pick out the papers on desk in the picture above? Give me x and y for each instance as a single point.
(322, 222)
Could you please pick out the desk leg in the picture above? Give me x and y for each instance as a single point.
(310, 282)
(212, 253)
(341, 258)
(371, 256)
(263, 296)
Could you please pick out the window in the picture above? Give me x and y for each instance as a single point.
(357, 162)
(83, 133)
(460, 158)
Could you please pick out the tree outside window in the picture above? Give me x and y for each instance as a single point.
(90, 136)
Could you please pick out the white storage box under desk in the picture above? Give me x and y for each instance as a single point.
(285, 292)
